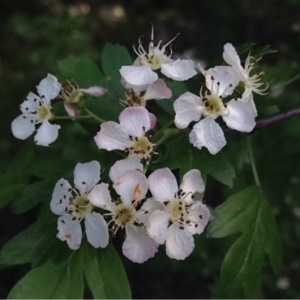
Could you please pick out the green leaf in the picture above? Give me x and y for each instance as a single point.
(246, 212)
(51, 281)
(105, 274)
(182, 155)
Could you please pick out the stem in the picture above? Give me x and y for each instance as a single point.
(252, 162)
(91, 114)
(71, 118)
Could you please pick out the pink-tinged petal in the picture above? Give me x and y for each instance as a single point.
(46, 134)
(138, 75)
(124, 165)
(179, 70)
(158, 226)
(163, 185)
(49, 88)
(240, 115)
(71, 110)
(188, 107)
(69, 231)
(96, 91)
(198, 217)
(158, 90)
(149, 206)
(60, 197)
(138, 246)
(96, 230)
(112, 137)
(208, 133)
(192, 183)
(179, 242)
(135, 120)
(153, 120)
(31, 103)
(100, 196)
(132, 185)
(86, 175)
(22, 127)
(221, 80)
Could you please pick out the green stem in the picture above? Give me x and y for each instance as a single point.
(71, 118)
(91, 114)
(252, 162)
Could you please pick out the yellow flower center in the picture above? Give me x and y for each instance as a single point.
(141, 147)
(124, 215)
(152, 60)
(43, 113)
(176, 209)
(80, 206)
(213, 106)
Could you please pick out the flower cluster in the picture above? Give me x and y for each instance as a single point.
(149, 206)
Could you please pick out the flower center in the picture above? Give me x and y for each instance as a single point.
(124, 215)
(213, 106)
(43, 113)
(133, 99)
(70, 92)
(176, 209)
(141, 147)
(151, 59)
(79, 207)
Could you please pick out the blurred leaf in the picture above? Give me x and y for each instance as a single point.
(246, 212)
(50, 281)
(105, 274)
(182, 155)
(9, 191)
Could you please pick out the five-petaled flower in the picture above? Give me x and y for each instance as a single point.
(72, 205)
(182, 216)
(36, 110)
(126, 212)
(142, 73)
(237, 114)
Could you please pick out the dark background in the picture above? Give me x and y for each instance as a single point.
(34, 35)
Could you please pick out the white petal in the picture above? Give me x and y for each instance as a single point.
(124, 165)
(221, 80)
(96, 230)
(132, 185)
(112, 137)
(149, 206)
(100, 197)
(188, 107)
(49, 87)
(192, 182)
(158, 90)
(46, 134)
(96, 91)
(198, 216)
(138, 75)
(60, 197)
(232, 58)
(86, 175)
(208, 133)
(135, 120)
(69, 231)
(31, 103)
(240, 115)
(179, 242)
(163, 184)
(158, 226)
(22, 127)
(179, 69)
(138, 246)
(71, 109)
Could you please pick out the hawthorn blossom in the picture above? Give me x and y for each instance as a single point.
(237, 114)
(129, 134)
(252, 81)
(142, 73)
(182, 216)
(127, 212)
(36, 111)
(72, 205)
(72, 95)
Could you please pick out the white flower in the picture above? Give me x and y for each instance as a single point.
(129, 135)
(252, 81)
(182, 217)
(72, 205)
(142, 73)
(238, 114)
(132, 186)
(36, 110)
